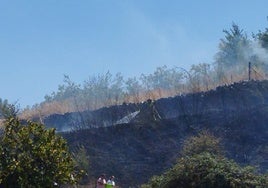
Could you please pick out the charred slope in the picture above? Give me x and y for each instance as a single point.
(151, 141)
(135, 152)
(225, 99)
(103, 117)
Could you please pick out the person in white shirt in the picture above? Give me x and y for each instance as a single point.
(101, 182)
(110, 183)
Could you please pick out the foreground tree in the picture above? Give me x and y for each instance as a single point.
(32, 156)
(206, 169)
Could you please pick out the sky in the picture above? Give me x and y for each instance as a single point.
(41, 41)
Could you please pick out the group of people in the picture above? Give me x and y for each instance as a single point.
(102, 183)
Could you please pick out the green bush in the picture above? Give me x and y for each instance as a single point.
(206, 168)
(203, 142)
(208, 171)
(32, 156)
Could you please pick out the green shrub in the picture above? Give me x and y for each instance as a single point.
(32, 156)
(203, 142)
(203, 166)
(207, 170)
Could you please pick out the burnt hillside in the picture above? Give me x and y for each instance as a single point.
(145, 139)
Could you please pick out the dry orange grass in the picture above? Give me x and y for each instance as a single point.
(69, 105)
(45, 109)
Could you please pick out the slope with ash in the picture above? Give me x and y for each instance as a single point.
(150, 141)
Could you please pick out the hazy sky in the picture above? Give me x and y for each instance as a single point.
(41, 40)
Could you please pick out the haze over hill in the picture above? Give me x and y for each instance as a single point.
(43, 40)
(239, 58)
(139, 77)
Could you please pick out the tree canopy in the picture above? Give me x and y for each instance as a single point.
(202, 165)
(32, 156)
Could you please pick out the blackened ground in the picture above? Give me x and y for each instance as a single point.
(150, 143)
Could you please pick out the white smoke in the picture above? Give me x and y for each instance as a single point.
(127, 118)
(260, 52)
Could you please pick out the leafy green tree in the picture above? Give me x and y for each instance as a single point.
(207, 170)
(203, 142)
(32, 156)
(203, 166)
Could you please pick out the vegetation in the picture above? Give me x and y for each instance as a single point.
(7, 110)
(204, 141)
(262, 37)
(82, 162)
(230, 65)
(206, 168)
(32, 156)
(231, 60)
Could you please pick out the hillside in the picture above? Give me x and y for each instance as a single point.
(135, 141)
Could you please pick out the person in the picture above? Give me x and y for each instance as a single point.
(101, 182)
(110, 183)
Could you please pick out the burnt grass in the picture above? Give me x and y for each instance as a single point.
(151, 142)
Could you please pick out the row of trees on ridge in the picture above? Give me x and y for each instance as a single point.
(230, 65)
